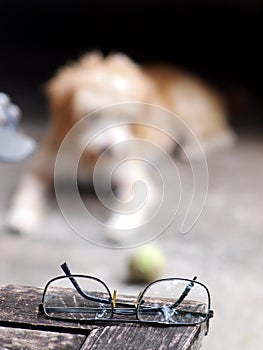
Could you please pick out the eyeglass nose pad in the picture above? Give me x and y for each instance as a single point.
(114, 296)
(138, 298)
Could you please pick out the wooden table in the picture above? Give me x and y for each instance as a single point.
(22, 326)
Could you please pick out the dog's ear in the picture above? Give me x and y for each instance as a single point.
(122, 64)
(121, 61)
(61, 87)
(91, 59)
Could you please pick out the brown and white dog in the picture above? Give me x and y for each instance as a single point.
(95, 82)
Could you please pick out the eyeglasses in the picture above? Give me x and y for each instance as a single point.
(169, 301)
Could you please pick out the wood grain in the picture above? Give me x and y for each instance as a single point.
(17, 339)
(19, 307)
(134, 337)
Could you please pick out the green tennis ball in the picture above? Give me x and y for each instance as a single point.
(146, 264)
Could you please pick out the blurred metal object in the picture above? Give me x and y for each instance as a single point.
(14, 145)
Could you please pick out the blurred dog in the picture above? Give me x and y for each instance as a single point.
(94, 82)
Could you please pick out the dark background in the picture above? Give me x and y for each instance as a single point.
(219, 40)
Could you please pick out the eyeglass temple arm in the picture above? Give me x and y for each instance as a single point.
(185, 293)
(67, 271)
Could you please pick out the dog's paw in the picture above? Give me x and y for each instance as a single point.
(22, 221)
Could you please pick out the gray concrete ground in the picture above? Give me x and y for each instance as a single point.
(224, 248)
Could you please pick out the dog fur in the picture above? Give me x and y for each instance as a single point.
(94, 82)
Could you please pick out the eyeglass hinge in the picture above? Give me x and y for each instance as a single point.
(41, 308)
(210, 313)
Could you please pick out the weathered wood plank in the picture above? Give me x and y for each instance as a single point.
(19, 308)
(143, 337)
(17, 339)
(19, 311)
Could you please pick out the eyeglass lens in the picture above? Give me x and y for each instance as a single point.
(91, 300)
(174, 301)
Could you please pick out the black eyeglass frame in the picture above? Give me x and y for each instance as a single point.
(134, 308)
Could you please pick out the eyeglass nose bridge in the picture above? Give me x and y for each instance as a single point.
(123, 308)
(138, 299)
